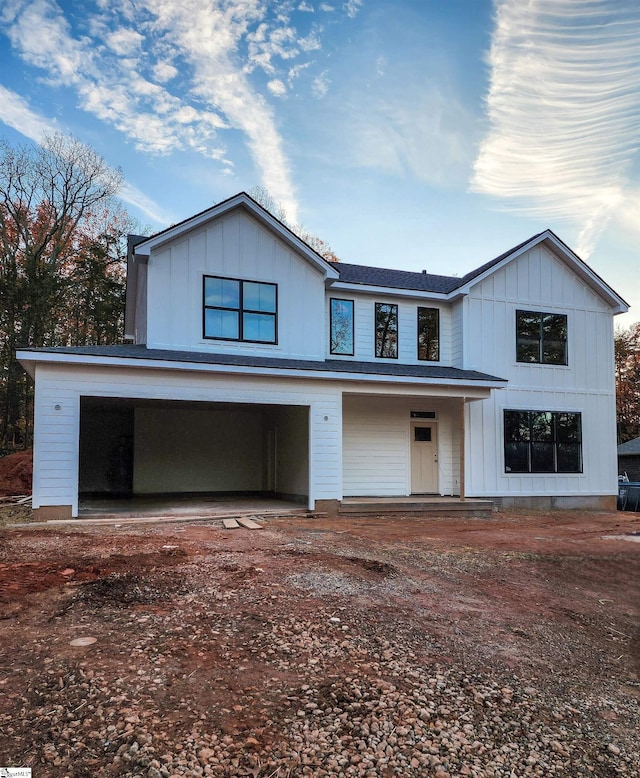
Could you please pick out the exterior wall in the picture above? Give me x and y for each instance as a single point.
(292, 452)
(457, 334)
(538, 281)
(57, 413)
(377, 439)
(234, 246)
(210, 450)
(364, 335)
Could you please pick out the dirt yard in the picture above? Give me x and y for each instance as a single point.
(360, 647)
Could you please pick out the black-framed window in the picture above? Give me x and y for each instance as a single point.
(541, 337)
(341, 326)
(386, 330)
(234, 309)
(542, 442)
(429, 334)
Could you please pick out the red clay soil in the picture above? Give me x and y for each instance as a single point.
(16, 471)
(204, 629)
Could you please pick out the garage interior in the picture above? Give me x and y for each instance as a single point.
(138, 455)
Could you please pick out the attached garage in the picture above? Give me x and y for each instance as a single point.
(143, 447)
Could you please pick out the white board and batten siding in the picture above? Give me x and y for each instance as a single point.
(364, 328)
(57, 409)
(377, 441)
(539, 281)
(233, 246)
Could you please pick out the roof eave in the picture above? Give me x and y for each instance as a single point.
(243, 201)
(617, 303)
(29, 359)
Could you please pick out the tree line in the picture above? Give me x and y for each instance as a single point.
(62, 263)
(627, 361)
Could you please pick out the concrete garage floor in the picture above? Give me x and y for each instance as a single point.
(185, 506)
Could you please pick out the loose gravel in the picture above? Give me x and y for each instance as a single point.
(212, 668)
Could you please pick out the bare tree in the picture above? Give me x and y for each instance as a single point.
(46, 192)
(264, 198)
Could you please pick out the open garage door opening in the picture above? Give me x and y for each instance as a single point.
(175, 450)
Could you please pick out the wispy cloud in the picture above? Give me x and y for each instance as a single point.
(408, 126)
(16, 113)
(175, 75)
(132, 195)
(563, 110)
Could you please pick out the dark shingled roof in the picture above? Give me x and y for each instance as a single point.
(395, 279)
(420, 282)
(390, 368)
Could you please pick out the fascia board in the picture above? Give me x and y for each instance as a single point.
(239, 201)
(565, 254)
(78, 360)
(345, 286)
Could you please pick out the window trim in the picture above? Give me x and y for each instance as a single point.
(541, 360)
(240, 310)
(375, 331)
(555, 441)
(353, 334)
(437, 310)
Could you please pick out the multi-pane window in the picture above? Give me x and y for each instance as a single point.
(386, 330)
(240, 310)
(341, 327)
(542, 442)
(429, 334)
(541, 337)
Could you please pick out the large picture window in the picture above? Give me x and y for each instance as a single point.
(429, 334)
(541, 337)
(386, 324)
(542, 442)
(341, 327)
(240, 310)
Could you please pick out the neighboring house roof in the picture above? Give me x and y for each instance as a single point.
(629, 448)
(396, 369)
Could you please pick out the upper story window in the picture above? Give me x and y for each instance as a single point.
(429, 334)
(386, 330)
(341, 327)
(240, 310)
(542, 442)
(541, 337)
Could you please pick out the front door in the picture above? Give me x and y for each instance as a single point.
(424, 458)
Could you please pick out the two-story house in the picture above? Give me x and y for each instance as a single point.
(257, 367)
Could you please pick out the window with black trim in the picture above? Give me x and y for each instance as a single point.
(429, 334)
(341, 326)
(542, 442)
(541, 337)
(386, 324)
(234, 309)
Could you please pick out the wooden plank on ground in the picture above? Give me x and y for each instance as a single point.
(230, 523)
(249, 524)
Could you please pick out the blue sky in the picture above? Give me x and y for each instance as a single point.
(416, 134)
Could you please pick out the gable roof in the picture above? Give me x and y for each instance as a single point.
(245, 202)
(453, 286)
(630, 447)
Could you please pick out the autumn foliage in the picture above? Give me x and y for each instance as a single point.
(62, 272)
(627, 356)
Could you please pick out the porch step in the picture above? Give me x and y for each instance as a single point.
(428, 507)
